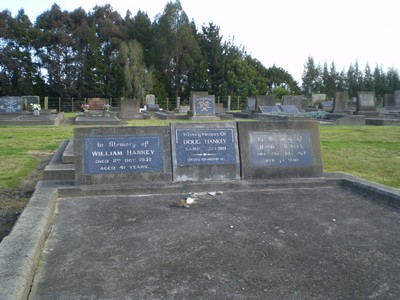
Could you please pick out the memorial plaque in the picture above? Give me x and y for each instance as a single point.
(205, 151)
(10, 104)
(122, 154)
(118, 155)
(281, 149)
(204, 105)
(205, 146)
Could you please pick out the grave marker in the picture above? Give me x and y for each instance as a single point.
(205, 151)
(114, 155)
(10, 104)
(292, 100)
(265, 100)
(341, 102)
(277, 149)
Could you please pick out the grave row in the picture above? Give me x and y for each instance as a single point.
(197, 152)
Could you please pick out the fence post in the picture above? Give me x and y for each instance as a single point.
(59, 104)
(46, 103)
(229, 103)
(72, 103)
(238, 107)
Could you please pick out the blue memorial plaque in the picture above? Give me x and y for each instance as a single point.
(204, 105)
(205, 146)
(10, 104)
(122, 154)
(281, 149)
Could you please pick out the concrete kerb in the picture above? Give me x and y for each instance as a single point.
(20, 252)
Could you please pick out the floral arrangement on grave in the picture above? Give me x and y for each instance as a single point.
(84, 107)
(106, 107)
(35, 106)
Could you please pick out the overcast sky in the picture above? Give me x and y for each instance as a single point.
(282, 32)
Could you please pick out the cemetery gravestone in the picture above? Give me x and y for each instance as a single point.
(203, 107)
(150, 99)
(341, 102)
(396, 101)
(10, 104)
(389, 100)
(205, 151)
(292, 100)
(122, 155)
(251, 104)
(265, 100)
(366, 104)
(280, 149)
(315, 98)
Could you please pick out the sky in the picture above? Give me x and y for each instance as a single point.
(282, 33)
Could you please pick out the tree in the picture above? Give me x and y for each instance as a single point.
(55, 50)
(311, 77)
(138, 79)
(17, 70)
(181, 52)
(211, 45)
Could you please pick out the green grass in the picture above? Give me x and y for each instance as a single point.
(370, 152)
(20, 146)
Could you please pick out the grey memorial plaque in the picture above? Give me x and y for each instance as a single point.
(117, 155)
(10, 104)
(206, 151)
(203, 105)
(122, 154)
(280, 149)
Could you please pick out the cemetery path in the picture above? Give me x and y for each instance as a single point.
(13, 201)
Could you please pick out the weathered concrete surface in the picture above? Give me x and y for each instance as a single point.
(319, 242)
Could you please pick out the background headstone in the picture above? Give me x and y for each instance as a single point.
(10, 104)
(315, 98)
(293, 100)
(251, 103)
(265, 100)
(389, 100)
(341, 102)
(205, 151)
(150, 99)
(366, 101)
(396, 100)
(122, 155)
(280, 149)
